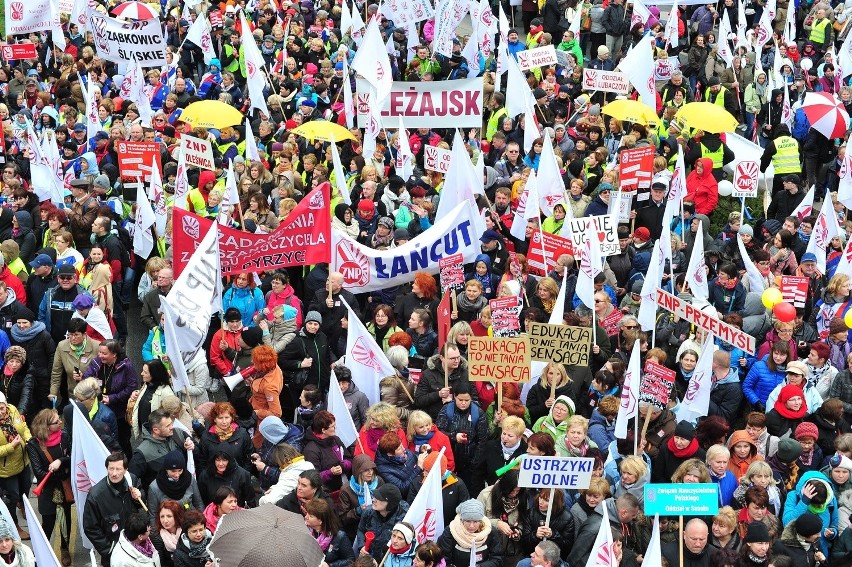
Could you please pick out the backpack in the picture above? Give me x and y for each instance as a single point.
(801, 125)
(126, 245)
(474, 412)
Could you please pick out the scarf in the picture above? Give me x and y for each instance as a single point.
(402, 551)
(485, 280)
(576, 451)
(170, 539)
(174, 489)
(8, 428)
(805, 237)
(806, 457)
(422, 440)
(323, 539)
(730, 284)
(787, 413)
(548, 304)
(755, 559)
(373, 436)
(760, 90)
(146, 548)
(814, 376)
(358, 488)
(509, 451)
(465, 540)
(682, 453)
(474, 306)
(223, 435)
(94, 409)
(20, 336)
(54, 438)
(198, 550)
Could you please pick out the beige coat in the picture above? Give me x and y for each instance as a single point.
(65, 361)
(156, 401)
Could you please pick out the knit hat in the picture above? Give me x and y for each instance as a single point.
(595, 110)
(386, 222)
(15, 352)
(26, 314)
(756, 532)
(401, 234)
(838, 461)
(313, 316)
(603, 50)
(808, 525)
(836, 326)
(273, 429)
(713, 81)
(430, 459)
(566, 401)
(642, 234)
(83, 301)
(788, 450)
(806, 429)
(603, 186)
(5, 530)
(471, 510)
(366, 205)
(746, 230)
(538, 93)
(252, 336)
(405, 530)
(102, 181)
(388, 493)
(174, 460)
(685, 430)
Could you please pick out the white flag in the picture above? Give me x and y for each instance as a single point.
(845, 265)
(790, 28)
(42, 550)
(724, 47)
(357, 31)
(471, 55)
(648, 307)
(677, 186)
(551, 188)
(806, 207)
(255, 79)
(461, 183)
(371, 62)
(638, 67)
(519, 97)
(181, 182)
(755, 279)
(764, 30)
(158, 197)
(404, 164)
(365, 358)
(786, 109)
(844, 57)
(232, 195)
(93, 122)
(528, 207)
(654, 553)
(339, 175)
(590, 266)
(345, 18)
(531, 130)
(825, 229)
(171, 324)
(670, 34)
(602, 553)
(696, 272)
(346, 430)
(696, 401)
(143, 239)
(348, 101)
(251, 145)
(88, 463)
(629, 406)
(133, 89)
(199, 34)
(641, 14)
(426, 513)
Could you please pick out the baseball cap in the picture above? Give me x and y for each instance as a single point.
(42, 260)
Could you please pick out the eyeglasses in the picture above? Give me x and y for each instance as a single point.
(600, 301)
(57, 422)
(630, 327)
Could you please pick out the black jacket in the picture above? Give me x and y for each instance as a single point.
(18, 389)
(671, 552)
(235, 477)
(453, 492)
(783, 204)
(40, 350)
(339, 552)
(40, 463)
(107, 508)
(426, 396)
(181, 557)
(331, 317)
(238, 446)
(562, 525)
(494, 458)
(303, 346)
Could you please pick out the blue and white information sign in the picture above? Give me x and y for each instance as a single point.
(681, 499)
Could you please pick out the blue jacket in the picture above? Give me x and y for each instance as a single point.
(795, 506)
(601, 432)
(760, 381)
(727, 485)
(398, 471)
(148, 347)
(727, 301)
(248, 301)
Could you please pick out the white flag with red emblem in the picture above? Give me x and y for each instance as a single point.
(670, 33)
(426, 513)
(648, 308)
(825, 229)
(602, 553)
(696, 401)
(199, 34)
(371, 62)
(786, 109)
(404, 162)
(133, 89)
(88, 464)
(590, 266)
(181, 182)
(252, 154)
(255, 79)
(93, 122)
(339, 175)
(629, 405)
(696, 271)
(845, 265)
(528, 207)
(638, 67)
(677, 186)
(551, 188)
(755, 278)
(365, 358)
(345, 430)
(806, 207)
(143, 238)
(641, 14)
(158, 198)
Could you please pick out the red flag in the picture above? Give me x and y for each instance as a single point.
(444, 320)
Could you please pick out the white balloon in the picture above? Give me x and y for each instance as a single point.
(806, 64)
(726, 188)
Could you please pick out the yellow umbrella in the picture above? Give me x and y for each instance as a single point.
(708, 117)
(631, 111)
(323, 130)
(211, 114)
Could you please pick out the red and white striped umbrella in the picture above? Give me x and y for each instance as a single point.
(826, 114)
(135, 10)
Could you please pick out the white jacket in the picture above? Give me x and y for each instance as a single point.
(287, 482)
(125, 555)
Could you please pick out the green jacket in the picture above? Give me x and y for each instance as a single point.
(572, 46)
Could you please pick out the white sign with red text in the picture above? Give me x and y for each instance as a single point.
(607, 81)
(663, 68)
(431, 104)
(27, 17)
(437, 159)
(745, 178)
(198, 152)
(713, 325)
(538, 57)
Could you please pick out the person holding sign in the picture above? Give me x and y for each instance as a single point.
(556, 422)
(470, 540)
(547, 519)
(463, 421)
(442, 374)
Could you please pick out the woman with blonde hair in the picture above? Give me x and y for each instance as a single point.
(691, 471)
(381, 418)
(149, 277)
(575, 442)
(291, 463)
(546, 293)
(553, 383)
(502, 451)
(424, 436)
(101, 288)
(724, 534)
(459, 335)
(633, 475)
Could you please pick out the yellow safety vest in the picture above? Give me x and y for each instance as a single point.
(17, 266)
(720, 96)
(786, 158)
(234, 65)
(818, 31)
(716, 156)
(494, 122)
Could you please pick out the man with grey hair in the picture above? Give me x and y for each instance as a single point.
(545, 554)
(328, 302)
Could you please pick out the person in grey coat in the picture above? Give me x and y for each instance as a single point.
(174, 482)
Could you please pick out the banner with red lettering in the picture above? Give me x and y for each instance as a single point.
(301, 239)
(135, 159)
(506, 316)
(656, 385)
(430, 104)
(541, 258)
(636, 171)
(794, 289)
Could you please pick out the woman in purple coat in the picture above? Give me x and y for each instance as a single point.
(117, 378)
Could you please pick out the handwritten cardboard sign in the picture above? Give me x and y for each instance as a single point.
(562, 344)
(498, 359)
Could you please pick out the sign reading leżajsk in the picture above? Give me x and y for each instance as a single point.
(367, 269)
(555, 472)
(431, 104)
(682, 499)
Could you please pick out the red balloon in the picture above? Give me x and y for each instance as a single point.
(784, 312)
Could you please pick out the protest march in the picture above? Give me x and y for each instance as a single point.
(426, 283)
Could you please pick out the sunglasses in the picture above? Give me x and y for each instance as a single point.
(65, 277)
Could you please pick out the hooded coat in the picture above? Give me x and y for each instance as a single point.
(351, 495)
(795, 506)
(209, 481)
(737, 465)
(426, 395)
(703, 189)
(25, 237)
(726, 396)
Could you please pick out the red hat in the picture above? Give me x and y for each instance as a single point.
(366, 205)
(806, 429)
(642, 234)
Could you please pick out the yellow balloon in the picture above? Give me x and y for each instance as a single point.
(771, 297)
(848, 319)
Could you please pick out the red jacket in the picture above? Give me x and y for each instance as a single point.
(703, 190)
(221, 362)
(438, 441)
(14, 283)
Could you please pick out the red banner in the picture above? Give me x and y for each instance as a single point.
(14, 51)
(637, 168)
(135, 159)
(540, 263)
(302, 239)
